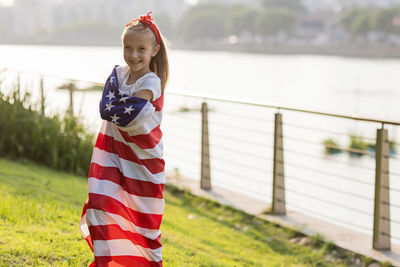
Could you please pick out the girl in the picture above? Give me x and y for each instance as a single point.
(121, 217)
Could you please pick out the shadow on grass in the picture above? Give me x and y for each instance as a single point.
(269, 234)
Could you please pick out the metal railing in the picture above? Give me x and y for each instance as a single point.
(380, 200)
(256, 148)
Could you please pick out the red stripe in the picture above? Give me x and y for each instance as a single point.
(124, 261)
(109, 204)
(85, 207)
(114, 231)
(144, 141)
(89, 241)
(159, 103)
(130, 185)
(107, 143)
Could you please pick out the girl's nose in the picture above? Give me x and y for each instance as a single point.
(135, 54)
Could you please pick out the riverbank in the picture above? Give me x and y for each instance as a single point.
(344, 50)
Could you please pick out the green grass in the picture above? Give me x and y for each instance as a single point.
(39, 226)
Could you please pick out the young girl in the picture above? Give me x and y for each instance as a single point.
(121, 217)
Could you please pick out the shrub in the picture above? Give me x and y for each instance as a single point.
(60, 143)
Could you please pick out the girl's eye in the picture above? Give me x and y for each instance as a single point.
(142, 49)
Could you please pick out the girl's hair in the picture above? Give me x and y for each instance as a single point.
(159, 63)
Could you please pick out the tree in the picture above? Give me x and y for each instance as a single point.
(203, 22)
(361, 21)
(292, 5)
(241, 19)
(272, 21)
(165, 25)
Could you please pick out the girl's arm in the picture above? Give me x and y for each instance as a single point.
(123, 110)
(145, 94)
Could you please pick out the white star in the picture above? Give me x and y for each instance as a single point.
(123, 99)
(109, 106)
(111, 81)
(110, 95)
(114, 118)
(128, 110)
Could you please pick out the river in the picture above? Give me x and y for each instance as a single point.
(351, 86)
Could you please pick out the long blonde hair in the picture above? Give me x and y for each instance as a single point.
(159, 63)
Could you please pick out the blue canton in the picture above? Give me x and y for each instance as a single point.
(116, 107)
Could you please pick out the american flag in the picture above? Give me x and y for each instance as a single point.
(122, 215)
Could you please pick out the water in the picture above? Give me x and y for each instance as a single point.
(240, 136)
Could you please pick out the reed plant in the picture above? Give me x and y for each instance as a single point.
(61, 143)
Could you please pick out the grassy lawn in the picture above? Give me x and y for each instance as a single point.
(39, 226)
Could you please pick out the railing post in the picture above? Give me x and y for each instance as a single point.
(278, 189)
(381, 235)
(42, 104)
(19, 86)
(205, 179)
(71, 88)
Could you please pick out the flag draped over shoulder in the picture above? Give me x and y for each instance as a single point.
(121, 217)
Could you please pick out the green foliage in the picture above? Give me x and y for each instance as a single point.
(273, 21)
(292, 5)
(203, 22)
(60, 143)
(360, 21)
(213, 21)
(242, 19)
(165, 25)
(329, 246)
(317, 240)
(387, 264)
(357, 143)
(331, 147)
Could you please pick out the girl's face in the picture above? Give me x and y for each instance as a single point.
(139, 48)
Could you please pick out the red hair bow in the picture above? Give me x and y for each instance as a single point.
(147, 21)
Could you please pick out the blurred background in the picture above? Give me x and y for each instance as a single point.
(336, 56)
(251, 25)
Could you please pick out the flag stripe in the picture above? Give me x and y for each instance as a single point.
(114, 231)
(84, 227)
(107, 143)
(99, 217)
(128, 168)
(158, 103)
(124, 247)
(144, 141)
(106, 203)
(132, 186)
(144, 122)
(140, 204)
(148, 153)
(119, 261)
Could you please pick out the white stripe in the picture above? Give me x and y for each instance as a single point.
(148, 125)
(146, 205)
(98, 217)
(145, 121)
(84, 227)
(123, 247)
(109, 129)
(128, 168)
